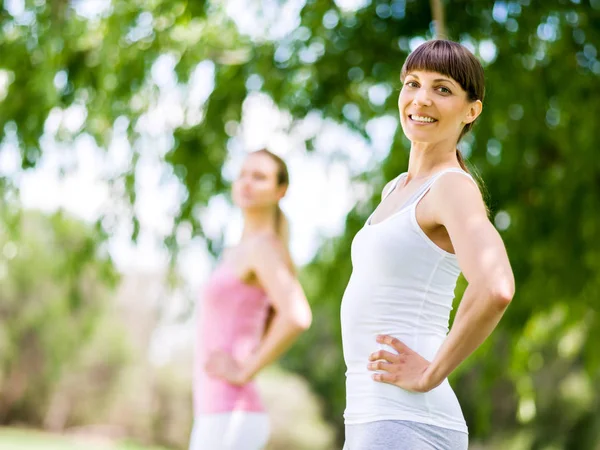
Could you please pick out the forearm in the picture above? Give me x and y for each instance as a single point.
(477, 316)
(282, 333)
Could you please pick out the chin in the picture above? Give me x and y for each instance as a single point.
(424, 138)
(247, 206)
(242, 204)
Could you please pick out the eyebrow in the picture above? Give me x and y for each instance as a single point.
(437, 80)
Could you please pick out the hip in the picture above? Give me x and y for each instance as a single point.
(217, 396)
(370, 401)
(403, 434)
(234, 430)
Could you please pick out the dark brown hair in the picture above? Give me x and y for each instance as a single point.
(455, 61)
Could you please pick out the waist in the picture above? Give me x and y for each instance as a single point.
(240, 344)
(229, 329)
(396, 309)
(370, 401)
(212, 395)
(358, 344)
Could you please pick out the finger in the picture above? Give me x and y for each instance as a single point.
(393, 342)
(385, 377)
(382, 354)
(380, 365)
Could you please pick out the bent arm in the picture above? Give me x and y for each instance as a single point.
(485, 265)
(292, 311)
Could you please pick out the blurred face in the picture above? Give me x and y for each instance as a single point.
(256, 186)
(434, 107)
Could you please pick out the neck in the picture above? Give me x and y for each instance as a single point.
(426, 158)
(258, 223)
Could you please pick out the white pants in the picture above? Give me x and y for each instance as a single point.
(237, 430)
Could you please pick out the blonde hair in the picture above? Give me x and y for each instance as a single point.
(281, 223)
(283, 179)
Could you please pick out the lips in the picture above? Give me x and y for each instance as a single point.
(421, 118)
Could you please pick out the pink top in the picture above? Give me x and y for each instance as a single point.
(233, 319)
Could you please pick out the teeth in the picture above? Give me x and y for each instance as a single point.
(422, 119)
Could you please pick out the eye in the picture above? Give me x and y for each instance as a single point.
(444, 90)
(412, 84)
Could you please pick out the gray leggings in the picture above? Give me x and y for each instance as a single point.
(403, 435)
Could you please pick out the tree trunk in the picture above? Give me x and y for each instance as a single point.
(437, 13)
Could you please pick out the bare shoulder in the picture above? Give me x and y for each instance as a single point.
(267, 248)
(456, 193)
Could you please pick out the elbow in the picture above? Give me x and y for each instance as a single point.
(502, 293)
(303, 321)
(300, 321)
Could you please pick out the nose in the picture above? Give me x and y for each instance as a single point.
(242, 183)
(246, 184)
(421, 98)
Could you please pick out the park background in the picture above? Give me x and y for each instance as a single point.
(122, 125)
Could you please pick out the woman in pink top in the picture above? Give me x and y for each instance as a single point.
(253, 310)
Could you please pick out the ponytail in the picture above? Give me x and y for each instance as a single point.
(477, 177)
(283, 233)
(281, 222)
(282, 226)
(461, 161)
(282, 229)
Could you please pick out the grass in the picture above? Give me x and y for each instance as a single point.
(23, 439)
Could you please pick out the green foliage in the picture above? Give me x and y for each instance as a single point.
(538, 83)
(534, 147)
(54, 57)
(54, 284)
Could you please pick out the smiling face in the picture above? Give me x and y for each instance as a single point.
(258, 185)
(442, 93)
(434, 107)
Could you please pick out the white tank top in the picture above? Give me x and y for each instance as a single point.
(402, 284)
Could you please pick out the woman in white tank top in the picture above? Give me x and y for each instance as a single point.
(431, 224)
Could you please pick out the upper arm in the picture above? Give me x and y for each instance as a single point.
(275, 275)
(478, 246)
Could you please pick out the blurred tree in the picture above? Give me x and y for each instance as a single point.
(97, 62)
(541, 63)
(533, 146)
(54, 283)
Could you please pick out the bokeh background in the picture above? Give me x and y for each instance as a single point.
(122, 125)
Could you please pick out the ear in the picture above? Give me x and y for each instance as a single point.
(281, 190)
(473, 112)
